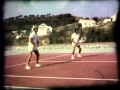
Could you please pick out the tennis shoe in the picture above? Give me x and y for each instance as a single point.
(37, 65)
(72, 57)
(79, 55)
(28, 67)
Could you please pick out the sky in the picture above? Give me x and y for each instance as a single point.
(80, 8)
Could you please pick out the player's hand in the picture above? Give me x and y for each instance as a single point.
(77, 43)
(37, 45)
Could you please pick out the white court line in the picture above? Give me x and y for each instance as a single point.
(64, 78)
(34, 61)
(18, 87)
(52, 61)
(78, 61)
(94, 61)
(66, 61)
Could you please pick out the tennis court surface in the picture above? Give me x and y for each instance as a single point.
(58, 70)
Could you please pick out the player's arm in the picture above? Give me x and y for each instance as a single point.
(31, 38)
(31, 41)
(38, 41)
(72, 40)
(79, 38)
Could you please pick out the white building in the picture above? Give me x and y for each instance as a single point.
(14, 32)
(87, 23)
(24, 31)
(18, 37)
(114, 17)
(43, 29)
(107, 20)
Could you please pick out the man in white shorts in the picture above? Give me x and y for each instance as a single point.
(32, 47)
(75, 43)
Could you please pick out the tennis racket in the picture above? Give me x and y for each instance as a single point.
(45, 42)
(83, 39)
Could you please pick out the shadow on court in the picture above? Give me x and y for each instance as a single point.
(91, 55)
(56, 63)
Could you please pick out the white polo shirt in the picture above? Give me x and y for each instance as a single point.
(34, 37)
(75, 38)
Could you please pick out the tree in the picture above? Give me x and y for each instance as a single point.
(96, 19)
(79, 25)
(48, 15)
(87, 18)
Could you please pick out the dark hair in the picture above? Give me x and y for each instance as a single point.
(35, 26)
(76, 29)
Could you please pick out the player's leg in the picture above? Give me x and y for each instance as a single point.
(73, 51)
(79, 52)
(37, 58)
(28, 60)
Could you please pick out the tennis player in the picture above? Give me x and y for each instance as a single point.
(75, 43)
(33, 47)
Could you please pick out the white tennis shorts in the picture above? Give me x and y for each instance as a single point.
(31, 48)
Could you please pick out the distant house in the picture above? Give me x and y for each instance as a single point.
(43, 29)
(14, 32)
(107, 20)
(18, 37)
(87, 23)
(114, 17)
(24, 31)
(21, 34)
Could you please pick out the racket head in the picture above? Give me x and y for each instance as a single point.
(45, 42)
(83, 39)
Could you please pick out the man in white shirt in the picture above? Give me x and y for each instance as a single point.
(32, 47)
(75, 43)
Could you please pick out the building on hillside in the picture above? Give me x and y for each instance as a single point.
(114, 17)
(23, 31)
(107, 20)
(14, 32)
(87, 23)
(43, 29)
(21, 34)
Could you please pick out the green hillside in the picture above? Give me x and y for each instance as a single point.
(63, 26)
